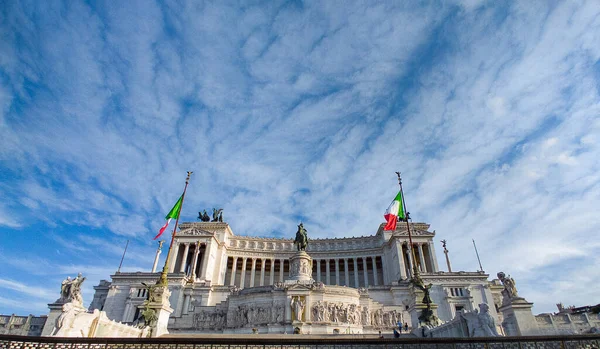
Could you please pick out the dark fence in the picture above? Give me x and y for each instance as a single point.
(302, 342)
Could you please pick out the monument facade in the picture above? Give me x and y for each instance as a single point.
(224, 283)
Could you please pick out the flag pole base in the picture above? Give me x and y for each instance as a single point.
(162, 280)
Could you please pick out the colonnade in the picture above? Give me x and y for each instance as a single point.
(424, 256)
(352, 271)
(189, 258)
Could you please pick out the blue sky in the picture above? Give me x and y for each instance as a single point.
(299, 110)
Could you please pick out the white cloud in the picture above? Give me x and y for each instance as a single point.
(29, 290)
(284, 112)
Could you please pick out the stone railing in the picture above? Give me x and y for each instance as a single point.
(456, 327)
(565, 324)
(302, 342)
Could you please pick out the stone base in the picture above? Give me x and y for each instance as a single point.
(56, 309)
(300, 267)
(161, 305)
(416, 310)
(518, 318)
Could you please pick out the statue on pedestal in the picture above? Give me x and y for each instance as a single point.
(301, 240)
(510, 288)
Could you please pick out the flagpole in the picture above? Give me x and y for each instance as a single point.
(477, 253)
(416, 275)
(163, 275)
(121, 264)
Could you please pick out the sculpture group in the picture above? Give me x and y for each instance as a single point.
(481, 323)
(217, 216)
(353, 314)
(70, 290)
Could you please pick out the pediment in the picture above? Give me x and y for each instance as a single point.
(415, 232)
(194, 232)
(299, 287)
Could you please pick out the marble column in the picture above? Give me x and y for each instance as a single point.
(195, 260)
(433, 258)
(422, 258)
(327, 273)
(356, 284)
(366, 273)
(186, 249)
(272, 276)
(281, 269)
(385, 271)
(410, 261)
(401, 260)
(375, 276)
(346, 273)
(205, 259)
(318, 261)
(233, 271)
(186, 304)
(252, 272)
(173, 257)
(261, 282)
(337, 271)
(243, 276)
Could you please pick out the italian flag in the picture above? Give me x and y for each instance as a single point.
(395, 211)
(174, 213)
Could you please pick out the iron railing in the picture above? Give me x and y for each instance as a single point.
(302, 342)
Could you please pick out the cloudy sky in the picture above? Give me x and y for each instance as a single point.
(290, 111)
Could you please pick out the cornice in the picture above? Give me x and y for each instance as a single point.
(316, 245)
(314, 255)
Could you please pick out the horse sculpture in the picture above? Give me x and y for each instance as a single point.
(301, 240)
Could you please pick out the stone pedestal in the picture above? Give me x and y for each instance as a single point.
(417, 308)
(518, 318)
(56, 309)
(159, 302)
(300, 268)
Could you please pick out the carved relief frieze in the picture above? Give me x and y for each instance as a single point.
(353, 314)
(250, 315)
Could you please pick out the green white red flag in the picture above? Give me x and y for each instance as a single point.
(395, 211)
(174, 213)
